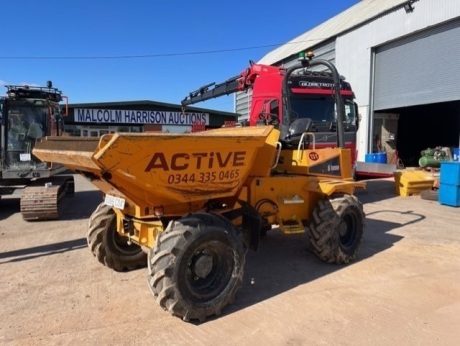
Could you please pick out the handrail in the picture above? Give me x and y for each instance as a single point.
(278, 147)
(299, 156)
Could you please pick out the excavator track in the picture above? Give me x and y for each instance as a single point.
(42, 201)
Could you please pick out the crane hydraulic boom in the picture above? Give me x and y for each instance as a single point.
(241, 82)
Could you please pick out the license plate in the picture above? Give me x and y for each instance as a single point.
(115, 202)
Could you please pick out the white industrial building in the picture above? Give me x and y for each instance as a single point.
(402, 59)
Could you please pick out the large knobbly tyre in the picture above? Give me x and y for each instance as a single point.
(336, 229)
(108, 246)
(196, 266)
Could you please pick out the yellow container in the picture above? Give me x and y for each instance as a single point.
(410, 183)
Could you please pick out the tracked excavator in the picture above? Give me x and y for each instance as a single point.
(29, 113)
(189, 206)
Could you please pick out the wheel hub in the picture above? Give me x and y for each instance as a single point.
(202, 265)
(343, 228)
(347, 231)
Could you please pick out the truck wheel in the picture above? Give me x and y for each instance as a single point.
(336, 229)
(196, 266)
(108, 246)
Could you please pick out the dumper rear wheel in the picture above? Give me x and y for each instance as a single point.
(196, 266)
(336, 229)
(108, 246)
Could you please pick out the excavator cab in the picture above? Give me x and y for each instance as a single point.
(28, 114)
(24, 124)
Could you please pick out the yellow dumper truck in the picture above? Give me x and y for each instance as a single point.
(190, 205)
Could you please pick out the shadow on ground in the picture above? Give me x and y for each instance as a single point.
(42, 250)
(9, 206)
(87, 202)
(283, 263)
(376, 190)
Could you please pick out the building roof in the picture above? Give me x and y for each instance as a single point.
(356, 15)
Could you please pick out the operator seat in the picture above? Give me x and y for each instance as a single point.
(290, 137)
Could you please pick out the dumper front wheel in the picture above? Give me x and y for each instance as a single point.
(336, 229)
(196, 267)
(108, 246)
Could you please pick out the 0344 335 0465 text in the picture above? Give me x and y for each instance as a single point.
(204, 177)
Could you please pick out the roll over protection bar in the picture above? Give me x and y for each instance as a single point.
(305, 63)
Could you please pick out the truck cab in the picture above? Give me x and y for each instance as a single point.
(310, 96)
(295, 100)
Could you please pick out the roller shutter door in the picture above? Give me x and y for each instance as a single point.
(421, 69)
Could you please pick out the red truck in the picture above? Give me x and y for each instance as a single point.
(282, 95)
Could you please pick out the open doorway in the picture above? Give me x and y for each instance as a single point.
(423, 126)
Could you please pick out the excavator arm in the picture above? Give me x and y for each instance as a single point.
(241, 82)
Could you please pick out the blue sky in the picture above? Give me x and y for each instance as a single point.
(88, 48)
